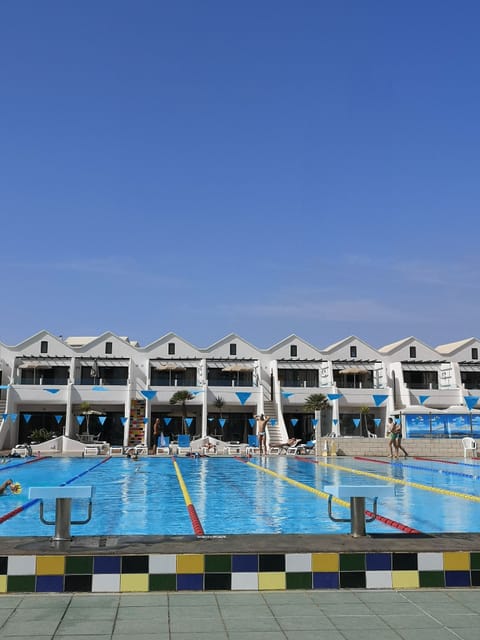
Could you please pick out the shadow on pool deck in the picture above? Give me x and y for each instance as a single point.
(255, 543)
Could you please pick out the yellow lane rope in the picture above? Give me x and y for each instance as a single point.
(182, 484)
(415, 485)
(300, 485)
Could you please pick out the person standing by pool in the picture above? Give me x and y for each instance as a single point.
(156, 434)
(262, 422)
(392, 436)
(398, 439)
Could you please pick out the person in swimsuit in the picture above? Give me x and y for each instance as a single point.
(262, 422)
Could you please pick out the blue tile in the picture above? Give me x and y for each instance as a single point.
(379, 561)
(190, 582)
(106, 564)
(245, 564)
(457, 578)
(325, 580)
(49, 584)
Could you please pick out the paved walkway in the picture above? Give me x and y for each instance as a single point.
(446, 614)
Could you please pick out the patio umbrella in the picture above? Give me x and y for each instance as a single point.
(88, 413)
(354, 371)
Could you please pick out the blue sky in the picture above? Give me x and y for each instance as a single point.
(263, 168)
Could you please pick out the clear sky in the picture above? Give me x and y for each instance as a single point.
(262, 167)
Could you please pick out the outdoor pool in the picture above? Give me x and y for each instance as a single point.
(277, 494)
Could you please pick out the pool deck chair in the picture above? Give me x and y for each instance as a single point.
(91, 450)
(469, 444)
(292, 450)
(163, 448)
(253, 447)
(141, 450)
(183, 445)
(233, 448)
(116, 450)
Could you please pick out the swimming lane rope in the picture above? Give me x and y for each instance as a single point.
(406, 483)
(30, 503)
(321, 494)
(196, 524)
(408, 465)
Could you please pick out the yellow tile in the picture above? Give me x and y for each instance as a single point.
(456, 561)
(193, 563)
(134, 582)
(272, 581)
(325, 562)
(3, 584)
(50, 565)
(405, 580)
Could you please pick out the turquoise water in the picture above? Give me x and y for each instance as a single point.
(144, 497)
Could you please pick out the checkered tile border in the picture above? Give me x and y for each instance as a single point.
(237, 572)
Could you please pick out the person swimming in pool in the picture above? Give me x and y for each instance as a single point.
(7, 484)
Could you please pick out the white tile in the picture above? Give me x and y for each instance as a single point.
(159, 563)
(106, 582)
(379, 579)
(298, 561)
(245, 581)
(430, 561)
(21, 565)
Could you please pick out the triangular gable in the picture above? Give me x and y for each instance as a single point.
(221, 348)
(341, 350)
(96, 347)
(460, 351)
(31, 346)
(401, 351)
(452, 347)
(392, 347)
(183, 348)
(305, 351)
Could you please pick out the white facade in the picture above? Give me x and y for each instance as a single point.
(45, 380)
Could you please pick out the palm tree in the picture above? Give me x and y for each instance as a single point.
(219, 403)
(181, 397)
(316, 403)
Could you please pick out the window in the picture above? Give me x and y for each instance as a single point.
(413, 352)
(233, 349)
(474, 353)
(353, 352)
(171, 348)
(108, 347)
(293, 351)
(43, 346)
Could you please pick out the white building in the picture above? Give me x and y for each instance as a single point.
(119, 388)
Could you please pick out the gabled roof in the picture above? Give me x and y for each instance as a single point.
(226, 340)
(390, 348)
(346, 341)
(293, 338)
(89, 342)
(37, 337)
(451, 347)
(168, 337)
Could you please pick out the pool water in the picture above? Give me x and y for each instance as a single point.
(239, 496)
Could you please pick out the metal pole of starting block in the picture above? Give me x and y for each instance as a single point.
(63, 512)
(357, 517)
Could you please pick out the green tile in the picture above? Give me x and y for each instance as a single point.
(433, 579)
(218, 564)
(79, 564)
(17, 584)
(352, 562)
(299, 580)
(162, 582)
(475, 561)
